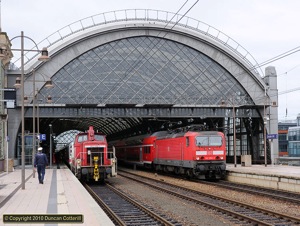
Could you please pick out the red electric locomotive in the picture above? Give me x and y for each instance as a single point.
(200, 154)
(89, 157)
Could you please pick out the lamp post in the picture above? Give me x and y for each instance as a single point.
(36, 92)
(3, 118)
(234, 128)
(33, 125)
(44, 57)
(234, 135)
(265, 135)
(35, 95)
(50, 125)
(265, 142)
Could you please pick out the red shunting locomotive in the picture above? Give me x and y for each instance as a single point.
(89, 157)
(200, 154)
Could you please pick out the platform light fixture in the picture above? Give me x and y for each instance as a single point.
(51, 131)
(48, 85)
(223, 103)
(44, 57)
(2, 53)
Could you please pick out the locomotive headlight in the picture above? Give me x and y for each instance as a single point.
(78, 163)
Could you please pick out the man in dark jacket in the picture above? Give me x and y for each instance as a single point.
(40, 162)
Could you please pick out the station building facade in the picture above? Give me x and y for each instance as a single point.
(135, 71)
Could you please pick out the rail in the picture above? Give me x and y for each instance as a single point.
(228, 206)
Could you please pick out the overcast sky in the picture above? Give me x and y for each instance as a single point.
(265, 28)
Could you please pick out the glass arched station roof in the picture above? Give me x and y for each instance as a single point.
(144, 70)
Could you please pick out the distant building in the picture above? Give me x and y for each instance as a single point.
(283, 128)
(289, 142)
(294, 140)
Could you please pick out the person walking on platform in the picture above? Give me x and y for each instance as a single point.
(40, 162)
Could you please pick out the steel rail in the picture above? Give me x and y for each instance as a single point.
(151, 213)
(272, 193)
(234, 213)
(105, 208)
(115, 217)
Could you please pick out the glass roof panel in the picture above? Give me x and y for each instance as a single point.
(144, 70)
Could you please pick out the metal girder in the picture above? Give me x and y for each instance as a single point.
(141, 112)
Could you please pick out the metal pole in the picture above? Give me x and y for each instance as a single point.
(271, 145)
(265, 140)
(234, 136)
(22, 111)
(7, 154)
(33, 125)
(50, 146)
(38, 118)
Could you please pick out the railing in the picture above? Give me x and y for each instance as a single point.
(92, 154)
(147, 15)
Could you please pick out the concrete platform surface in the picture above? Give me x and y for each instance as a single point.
(63, 194)
(60, 194)
(279, 177)
(278, 170)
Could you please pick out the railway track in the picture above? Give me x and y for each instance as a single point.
(237, 211)
(123, 210)
(265, 192)
(272, 193)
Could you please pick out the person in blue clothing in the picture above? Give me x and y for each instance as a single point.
(40, 162)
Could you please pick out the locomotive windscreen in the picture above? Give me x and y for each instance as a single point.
(209, 140)
(84, 137)
(99, 137)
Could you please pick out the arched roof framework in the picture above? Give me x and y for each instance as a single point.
(88, 33)
(144, 70)
(65, 138)
(238, 83)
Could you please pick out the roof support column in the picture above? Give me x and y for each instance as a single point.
(272, 110)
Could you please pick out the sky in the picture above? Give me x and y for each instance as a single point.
(265, 28)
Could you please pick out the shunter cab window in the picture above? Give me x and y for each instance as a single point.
(99, 137)
(208, 141)
(82, 138)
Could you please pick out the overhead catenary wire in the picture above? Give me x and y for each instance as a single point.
(184, 14)
(273, 59)
(280, 56)
(139, 60)
(293, 68)
(176, 13)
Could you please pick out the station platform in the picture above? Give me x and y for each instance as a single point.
(63, 195)
(280, 177)
(61, 200)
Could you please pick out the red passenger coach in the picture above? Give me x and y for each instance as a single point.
(90, 158)
(200, 154)
(137, 150)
